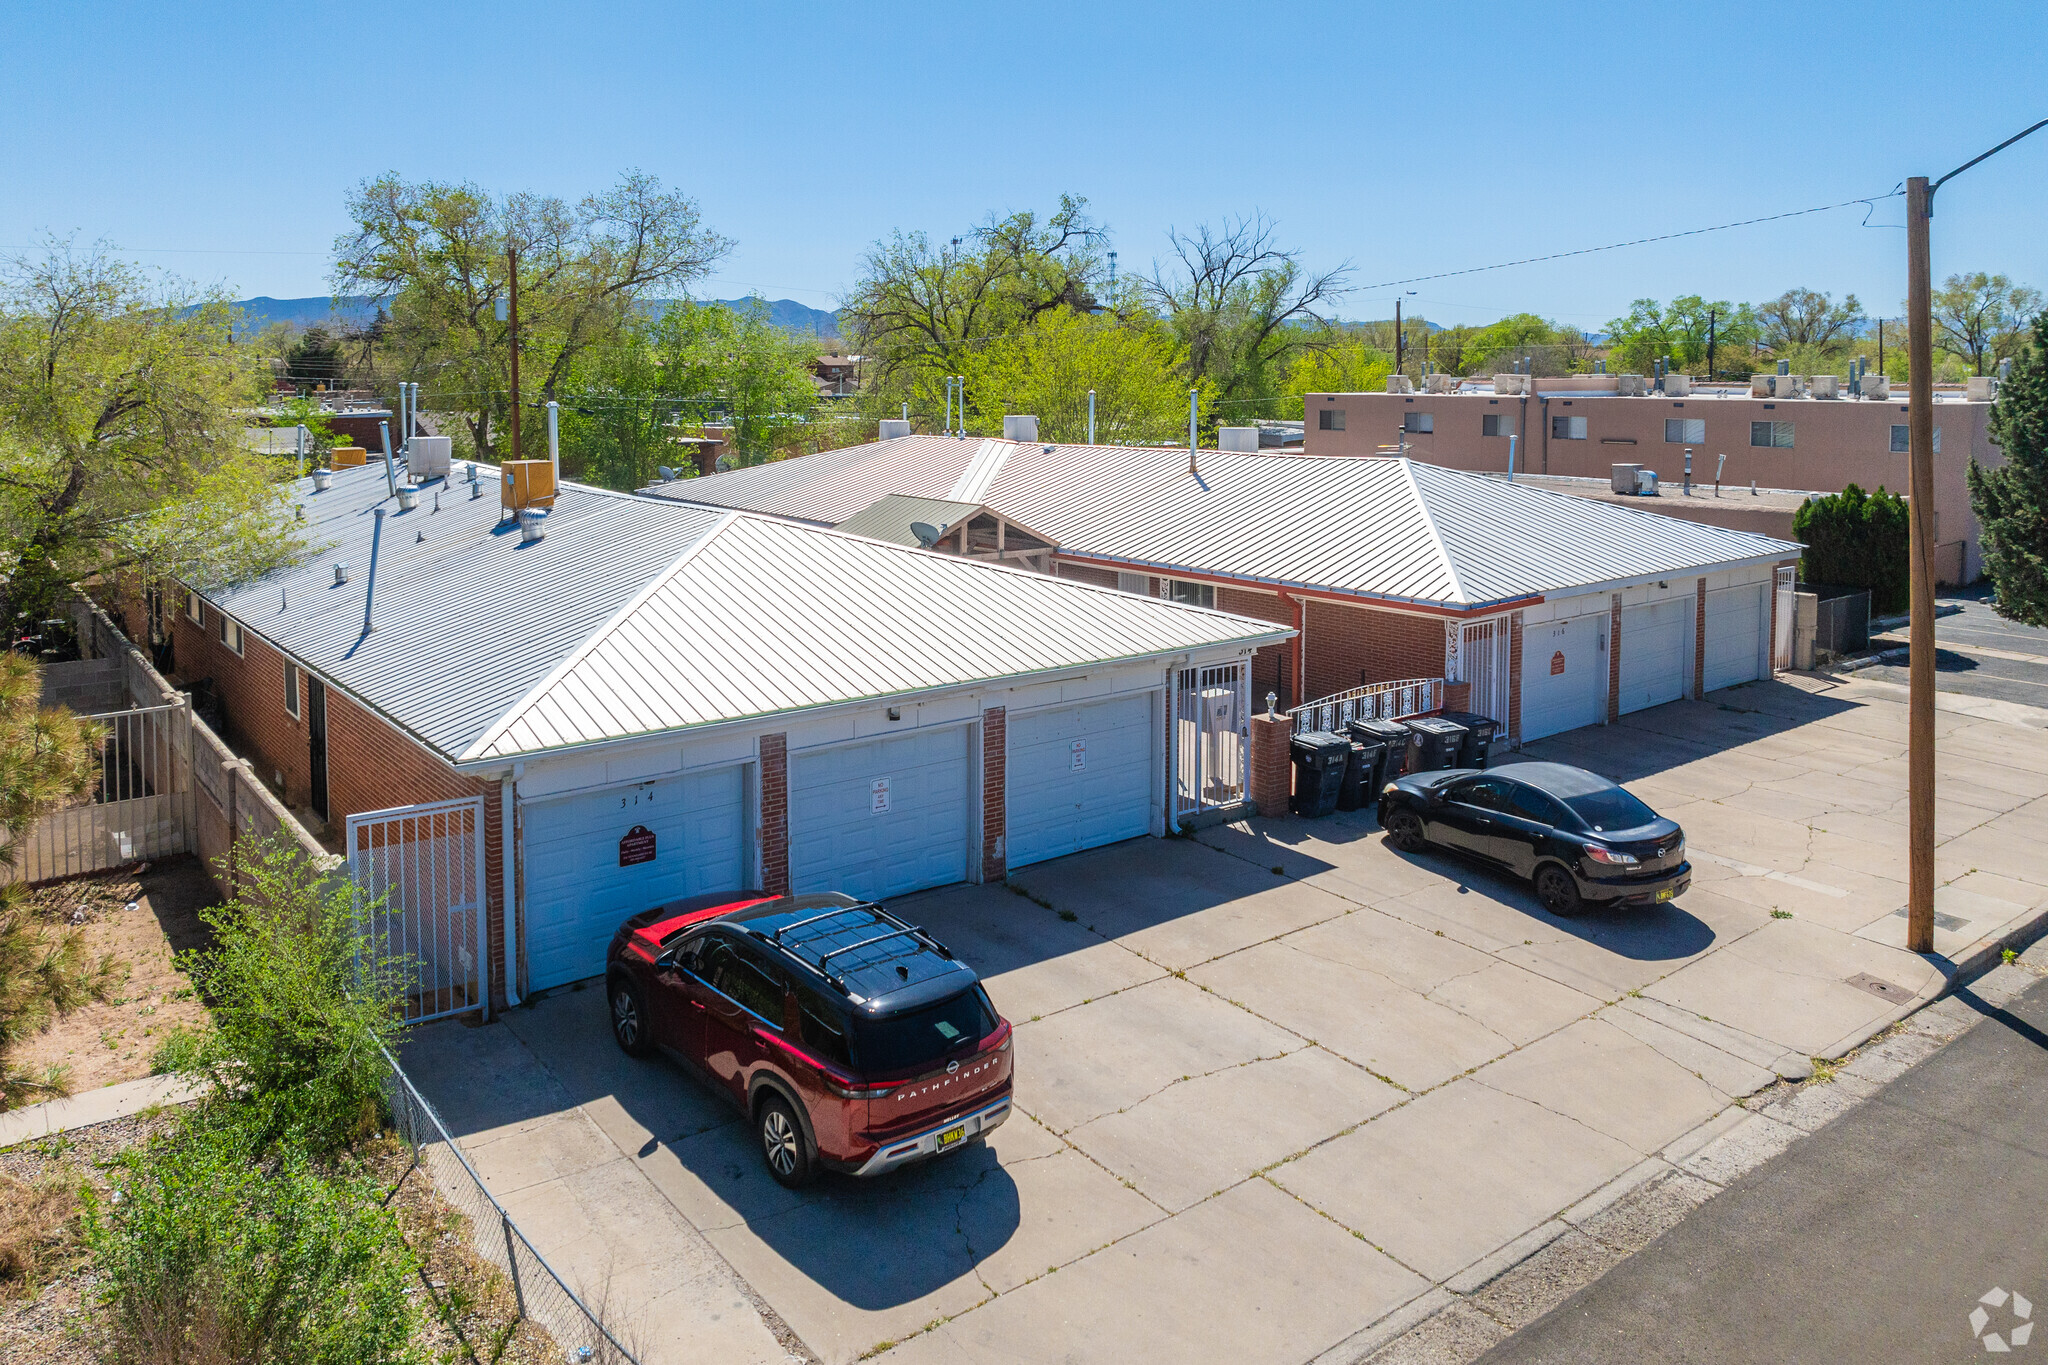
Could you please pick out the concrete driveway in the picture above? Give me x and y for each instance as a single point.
(1280, 1089)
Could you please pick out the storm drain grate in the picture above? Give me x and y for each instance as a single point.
(1883, 990)
(1955, 924)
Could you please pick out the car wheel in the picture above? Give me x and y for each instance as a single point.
(782, 1142)
(1558, 891)
(629, 1020)
(1404, 831)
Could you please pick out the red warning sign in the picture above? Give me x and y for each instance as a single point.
(1557, 663)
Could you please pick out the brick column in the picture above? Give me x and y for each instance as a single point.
(995, 826)
(1515, 679)
(1272, 764)
(1457, 696)
(775, 814)
(1614, 660)
(1699, 640)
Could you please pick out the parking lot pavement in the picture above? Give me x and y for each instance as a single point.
(1278, 1082)
(1979, 654)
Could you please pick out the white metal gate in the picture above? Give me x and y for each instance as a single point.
(137, 808)
(427, 863)
(1478, 654)
(1212, 736)
(1784, 587)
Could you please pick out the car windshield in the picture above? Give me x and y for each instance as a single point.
(1611, 808)
(904, 1042)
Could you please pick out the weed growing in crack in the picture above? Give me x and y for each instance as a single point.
(1069, 916)
(1781, 914)
(1824, 1070)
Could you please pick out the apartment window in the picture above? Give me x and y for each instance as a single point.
(1418, 421)
(231, 634)
(1497, 424)
(1771, 435)
(1330, 419)
(195, 609)
(1902, 438)
(1685, 431)
(1567, 428)
(1194, 594)
(1133, 582)
(291, 689)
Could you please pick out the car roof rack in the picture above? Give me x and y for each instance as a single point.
(784, 939)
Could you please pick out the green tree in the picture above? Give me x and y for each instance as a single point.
(119, 439)
(1346, 365)
(1636, 340)
(1981, 319)
(1048, 369)
(314, 358)
(1241, 307)
(1857, 540)
(1809, 320)
(437, 252)
(2011, 499)
(695, 362)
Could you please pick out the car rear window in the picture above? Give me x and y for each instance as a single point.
(824, 1029)
(1611, 809)
(919, 1037)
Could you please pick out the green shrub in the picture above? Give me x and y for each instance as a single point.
(303, 996)
(1858, 540)
(179, 1050)
(212, 1251)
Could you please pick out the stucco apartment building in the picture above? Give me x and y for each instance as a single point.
(1583, 425)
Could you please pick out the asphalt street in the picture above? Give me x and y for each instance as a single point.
(1874, 1239)
(1980, 654)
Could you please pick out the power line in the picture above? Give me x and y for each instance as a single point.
(1638, 241)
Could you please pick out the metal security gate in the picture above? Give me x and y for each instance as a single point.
(1212, 736)
(136, 808)
(1479, 655)
(427, 865)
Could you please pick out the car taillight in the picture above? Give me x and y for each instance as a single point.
(1610, 857)
(860, 1092)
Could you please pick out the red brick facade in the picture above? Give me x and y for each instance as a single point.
(1515, 677)
(1614, 659)
(1082, 573)
(1699, 640)
(1273, 667)
(251, 691)
(1350, 647)
(995, 818)
(1272, 763)
(775, 814)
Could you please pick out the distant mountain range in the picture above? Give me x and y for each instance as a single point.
(359, 310)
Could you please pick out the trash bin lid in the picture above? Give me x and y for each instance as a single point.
(1435, 725)
(1384, 730)
(1321, 742)
(1471, 720)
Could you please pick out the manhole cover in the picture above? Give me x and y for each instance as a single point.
(1883, 990)
(1953, 923)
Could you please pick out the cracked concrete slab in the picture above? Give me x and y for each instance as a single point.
(1252, 1277)
(1609, 1080)
(1199, 1137)
(1451, 1176)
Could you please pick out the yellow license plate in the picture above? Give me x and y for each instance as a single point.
(1667, 893)
(951, 1136)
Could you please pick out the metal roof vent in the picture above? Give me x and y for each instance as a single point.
(340, 574)
(1020, 427)
(533, 524)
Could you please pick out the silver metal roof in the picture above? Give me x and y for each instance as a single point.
(767, 615)
(1390, 529)
(891, 517)
(639, 614)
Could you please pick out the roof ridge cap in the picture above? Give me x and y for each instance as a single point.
(479, 747)
(1436, 536)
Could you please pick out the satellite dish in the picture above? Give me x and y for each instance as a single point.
(724, 463)
(667, 475)
(926, 533)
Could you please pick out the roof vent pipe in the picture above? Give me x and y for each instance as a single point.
(1193, 398)
(555, 440)
(390, 469)
(370, 588)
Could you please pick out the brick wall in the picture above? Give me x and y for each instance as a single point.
(251, 690)
(995, 819)
(1273, 665)
(1083, 573)
(1272, 777)
(1614, 659)
(1350, 646)
(1515, 677)
(775, 814)
(1699, 640)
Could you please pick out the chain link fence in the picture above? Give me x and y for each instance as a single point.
(542, 1296)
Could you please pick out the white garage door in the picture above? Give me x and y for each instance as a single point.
(585, 863)
(880, 818)
(1078, 777)
(1735, 635)
(1564, 676)
(1656, 653)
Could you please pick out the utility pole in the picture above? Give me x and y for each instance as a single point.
(1712, 318)
(512, 264)
(1397, 337)
(1920, 676)
(1880, 345)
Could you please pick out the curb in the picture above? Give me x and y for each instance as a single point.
(94, 1106)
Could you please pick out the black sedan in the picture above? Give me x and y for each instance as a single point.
(1576, 835)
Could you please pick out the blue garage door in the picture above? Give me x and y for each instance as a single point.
(573, 848)
(1078, 777)
(881, 817)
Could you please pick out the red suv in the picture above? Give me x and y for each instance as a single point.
(850, 1039)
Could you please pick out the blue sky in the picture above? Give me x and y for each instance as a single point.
(1407, 139)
